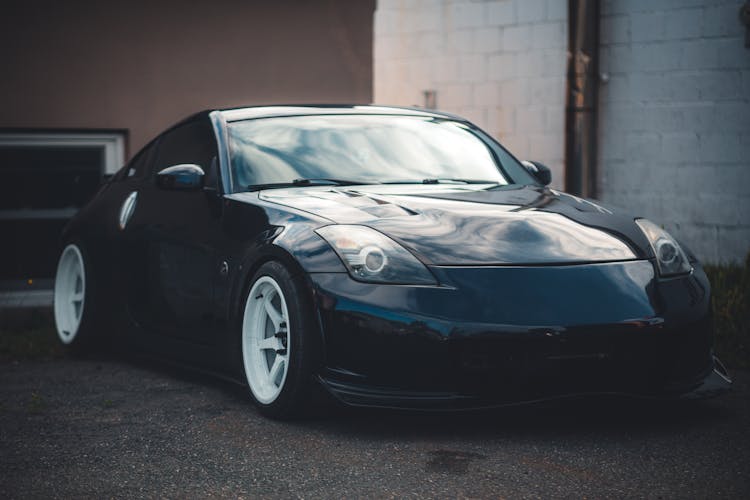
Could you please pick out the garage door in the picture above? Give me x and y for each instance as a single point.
(44, 180)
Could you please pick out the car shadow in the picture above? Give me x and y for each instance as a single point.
(567, 417)
(599, 415)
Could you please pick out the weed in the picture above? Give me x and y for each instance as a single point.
(28, 334)
(730, 285)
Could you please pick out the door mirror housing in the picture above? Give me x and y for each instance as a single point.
(540, 172)
(184, 177)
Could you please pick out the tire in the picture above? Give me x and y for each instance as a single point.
(75, 302)
(280, 343)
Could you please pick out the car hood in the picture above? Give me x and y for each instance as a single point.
(470, 225)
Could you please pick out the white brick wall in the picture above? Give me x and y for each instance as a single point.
(499, 63)
(674, 120)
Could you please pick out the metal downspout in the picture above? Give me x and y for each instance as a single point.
(582, 98)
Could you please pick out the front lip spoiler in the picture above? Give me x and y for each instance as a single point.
(716, 382)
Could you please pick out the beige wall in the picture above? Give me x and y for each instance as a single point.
(141, 66)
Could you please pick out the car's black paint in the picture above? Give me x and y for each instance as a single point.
(532, 302)
(513, 225)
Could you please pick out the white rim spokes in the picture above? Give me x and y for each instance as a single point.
(76, 298)
(70, 291)
(265, 339)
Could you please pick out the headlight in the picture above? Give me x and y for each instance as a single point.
(670, 258)
(373, 257)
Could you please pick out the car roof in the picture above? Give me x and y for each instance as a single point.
(252, 112)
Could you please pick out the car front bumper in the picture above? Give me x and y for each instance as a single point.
(492, 336)
(714, 383)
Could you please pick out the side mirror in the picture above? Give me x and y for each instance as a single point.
(184, 177)
(540, 172)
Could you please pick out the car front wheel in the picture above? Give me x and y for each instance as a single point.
(279, 342)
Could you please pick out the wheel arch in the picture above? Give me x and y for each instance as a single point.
(251, 263)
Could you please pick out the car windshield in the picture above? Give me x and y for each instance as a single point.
(366, 149)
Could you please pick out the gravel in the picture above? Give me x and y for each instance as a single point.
(125, 428)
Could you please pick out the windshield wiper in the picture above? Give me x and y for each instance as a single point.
(306, 182)
(457, 181)
(442, 181)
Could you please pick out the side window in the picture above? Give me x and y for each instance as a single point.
(138, 166)
(192, 142)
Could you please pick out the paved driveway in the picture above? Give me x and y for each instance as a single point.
(73, 428)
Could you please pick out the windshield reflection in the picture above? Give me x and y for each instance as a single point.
(366, 148)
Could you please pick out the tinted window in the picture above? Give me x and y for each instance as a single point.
(138, 166)
(193, 142)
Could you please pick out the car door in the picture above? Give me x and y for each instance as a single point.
(123, 191)
(171, 241)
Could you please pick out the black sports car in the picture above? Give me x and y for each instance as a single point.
(394, 257)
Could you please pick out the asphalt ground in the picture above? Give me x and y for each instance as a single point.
(99, 428)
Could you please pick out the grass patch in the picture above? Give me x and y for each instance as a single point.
(28, 334)
(730, 285)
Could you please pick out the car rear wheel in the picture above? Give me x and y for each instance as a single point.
(73, 299)
(279, 342)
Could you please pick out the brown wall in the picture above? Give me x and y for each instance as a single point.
(141, 66)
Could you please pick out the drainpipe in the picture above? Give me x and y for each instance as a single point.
(582, 95)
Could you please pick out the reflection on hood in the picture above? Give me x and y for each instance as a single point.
(463, 225)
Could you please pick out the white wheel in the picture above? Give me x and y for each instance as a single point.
(265, 339)
(70, 293)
